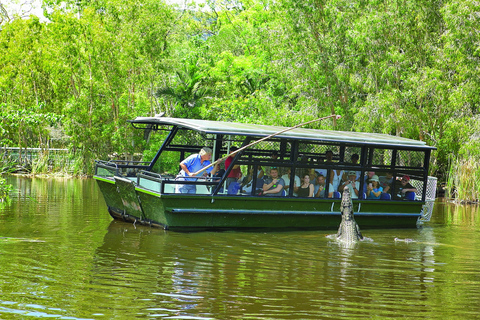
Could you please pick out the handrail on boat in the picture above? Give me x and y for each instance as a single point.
(116, 165)
(213, 181)
(128, 163)
(157, 177)
(106, 165)
(162, 180)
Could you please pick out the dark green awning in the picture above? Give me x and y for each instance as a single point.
(258, 130)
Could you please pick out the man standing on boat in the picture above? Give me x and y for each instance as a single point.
(273, 185)
(192, 164)
(235, 172)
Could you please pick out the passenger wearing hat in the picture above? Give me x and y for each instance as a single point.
(402, 188)
(374, 190)
(368, 176)
(352, 184)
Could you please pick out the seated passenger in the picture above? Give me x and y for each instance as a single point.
(319, 187)
(273, 185)
(355, 159)
(321, 172)
(329, 156)
(235, 186)
(217, 177)
(286, 178)
(303, 171)
(190, 166)
(247, 182)
(273, 156)
(367, 177)
(336, 179)
(351, 184)
(374, 190)
(402, 187)
(260, 172)
(306, 188)
(311, 172)
(331, 191)
(386, 182)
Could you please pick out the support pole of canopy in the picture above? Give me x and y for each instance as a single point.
(265, 138)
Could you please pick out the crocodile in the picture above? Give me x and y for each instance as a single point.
(348, 230)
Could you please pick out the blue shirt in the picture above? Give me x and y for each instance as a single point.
(193, 164)
(372, 196)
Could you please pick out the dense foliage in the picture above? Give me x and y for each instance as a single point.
(4, 190)
(402, 67)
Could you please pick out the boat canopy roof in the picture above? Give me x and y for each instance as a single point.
(258, 130)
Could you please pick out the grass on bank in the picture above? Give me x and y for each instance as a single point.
(47, 164)
(463, 180)
(43, 164)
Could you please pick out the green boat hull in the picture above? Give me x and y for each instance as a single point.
(205, 212)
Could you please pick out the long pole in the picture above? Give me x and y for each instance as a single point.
(265, 138)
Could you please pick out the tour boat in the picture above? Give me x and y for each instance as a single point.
(137, 192)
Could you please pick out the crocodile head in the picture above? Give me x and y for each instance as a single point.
(347, 206)
(348, 230)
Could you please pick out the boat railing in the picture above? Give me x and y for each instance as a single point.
(150, 175)
(203, 185)
(167, 185)
(150, 180)
(125, 168)
(430, 195)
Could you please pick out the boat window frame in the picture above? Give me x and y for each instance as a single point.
(289, 154)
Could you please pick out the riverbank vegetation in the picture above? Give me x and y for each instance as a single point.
(463, 181)
(408, 68)
(5, 189)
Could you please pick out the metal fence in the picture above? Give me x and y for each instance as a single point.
(25, 156)
(431, 192)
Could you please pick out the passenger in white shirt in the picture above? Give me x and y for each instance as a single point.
(297, 182)
(351, 184)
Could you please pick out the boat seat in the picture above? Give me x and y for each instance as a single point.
(410, 196)
(385, 196)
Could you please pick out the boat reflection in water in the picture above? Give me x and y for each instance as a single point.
(227, 274)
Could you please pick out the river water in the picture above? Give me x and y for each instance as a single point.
(63, 257)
